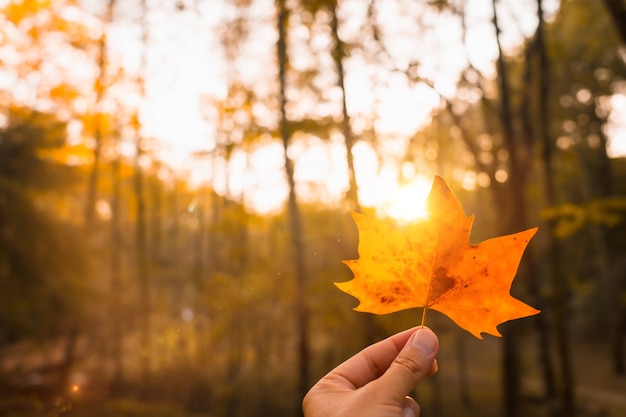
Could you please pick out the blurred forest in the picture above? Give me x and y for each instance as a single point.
(132, 285)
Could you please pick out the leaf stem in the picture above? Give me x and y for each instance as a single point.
(424, 315)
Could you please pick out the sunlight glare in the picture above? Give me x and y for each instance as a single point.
(409, 203)
(616, 127)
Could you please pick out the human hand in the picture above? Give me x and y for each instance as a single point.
(375, 382)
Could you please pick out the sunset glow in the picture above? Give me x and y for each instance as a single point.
(410, 201)
(187, 187)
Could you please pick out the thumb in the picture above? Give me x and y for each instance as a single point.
(415, 362)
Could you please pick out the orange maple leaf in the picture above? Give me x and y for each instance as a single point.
(433, 265)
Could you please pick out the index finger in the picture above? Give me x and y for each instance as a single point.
(371, 362)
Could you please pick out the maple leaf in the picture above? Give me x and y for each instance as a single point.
(433, 265)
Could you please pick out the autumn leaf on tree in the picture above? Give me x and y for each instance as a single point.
(433, 265)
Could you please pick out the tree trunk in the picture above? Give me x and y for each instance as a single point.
(603, 238)
(198, 274)
(143, 275)
(338, 54)
(352, 196)
(560, 282)
(617, 12)
(142, 254)
(611, 293)
(156, 214)
(115, 305)
(92, 184)
(512, 191)
(540, 320)
(293, 212)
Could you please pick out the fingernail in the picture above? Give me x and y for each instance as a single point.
(425, 340)
(435, 367)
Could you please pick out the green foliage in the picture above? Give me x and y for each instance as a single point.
(41, 260)
(26, 160)
(569, 218)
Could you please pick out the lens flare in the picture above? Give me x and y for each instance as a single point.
(409, 202)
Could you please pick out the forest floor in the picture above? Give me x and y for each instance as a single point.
(470, 390)
(478, 391)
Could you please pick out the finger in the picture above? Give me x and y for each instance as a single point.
(415, 362)
(434, 368)
(371, 362)
(410, 408)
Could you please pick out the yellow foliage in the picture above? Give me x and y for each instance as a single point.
(69, 155)
(97, 122)
(64, 92)
(570, 218)
(16, 11)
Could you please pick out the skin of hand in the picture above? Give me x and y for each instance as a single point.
(375, 382)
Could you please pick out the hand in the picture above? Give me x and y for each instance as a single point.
(375, 382)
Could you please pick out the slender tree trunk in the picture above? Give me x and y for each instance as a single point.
(173, 230)
(92, 185)
(114, 342)
(338, 55)
(513, 190)
(352, 196)
(559, 297)
(142, 260)
(600, 237)
(598, 184)
(156, 221)
(603, 238)
(617, 11)
(560, 282)
(199, 252)
(293, 212)
(544, 332)
(115, 305)
(143, 274)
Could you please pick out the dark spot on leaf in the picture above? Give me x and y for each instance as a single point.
(441, 283)
(386, 300)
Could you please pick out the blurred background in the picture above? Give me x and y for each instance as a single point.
(176, 179)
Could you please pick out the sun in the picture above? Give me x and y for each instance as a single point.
(408, 203)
